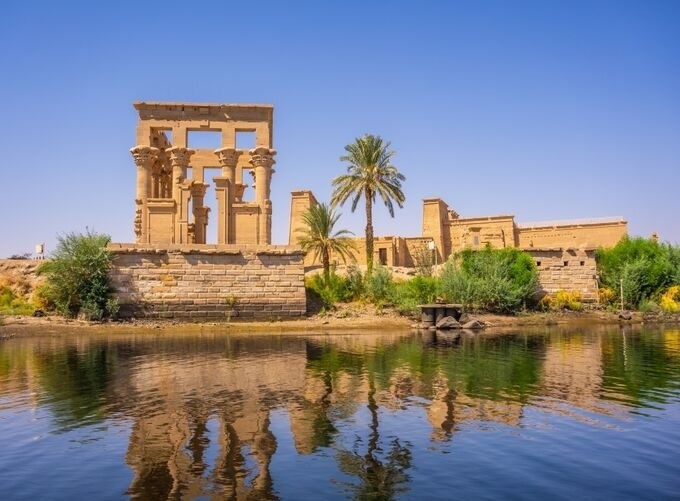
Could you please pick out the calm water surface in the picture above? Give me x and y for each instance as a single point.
(559, 414)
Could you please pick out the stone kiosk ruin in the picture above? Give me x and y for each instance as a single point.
(170, 270)
(170, 204)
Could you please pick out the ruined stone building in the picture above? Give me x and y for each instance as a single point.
(564, 250)
(172, 178)
(170, 271)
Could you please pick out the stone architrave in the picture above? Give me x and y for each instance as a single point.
(144, 156)
(225, 191)
(262, 160)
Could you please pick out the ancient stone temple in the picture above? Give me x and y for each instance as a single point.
(173, 270)
(172, 178)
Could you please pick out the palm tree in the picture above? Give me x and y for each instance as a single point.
(319, 237)
(370, 172)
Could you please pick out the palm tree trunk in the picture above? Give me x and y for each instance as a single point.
(326, 262)
(369, 231)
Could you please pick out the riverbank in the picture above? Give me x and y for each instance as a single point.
(345, 318)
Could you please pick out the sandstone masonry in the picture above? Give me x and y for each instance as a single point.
(209, 281)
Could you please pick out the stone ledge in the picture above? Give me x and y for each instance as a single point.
(227, 250)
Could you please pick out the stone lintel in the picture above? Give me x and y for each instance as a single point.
(231, 249)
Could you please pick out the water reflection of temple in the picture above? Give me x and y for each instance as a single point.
(169, 439)
(201, 408)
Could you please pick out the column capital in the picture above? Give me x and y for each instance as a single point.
(228, 157)
(144, 155)
(179, 157)
(198, 189)
(262, 157)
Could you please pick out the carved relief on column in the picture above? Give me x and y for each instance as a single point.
(145, 157)
(228, 158)
(199, 211)
(262, 159)
(179, 159)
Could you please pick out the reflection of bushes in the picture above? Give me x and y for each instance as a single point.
(75, 382)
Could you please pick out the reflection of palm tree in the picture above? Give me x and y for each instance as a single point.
(377, 479)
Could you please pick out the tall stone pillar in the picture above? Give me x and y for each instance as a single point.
(262, 159)
(200, 211)
(144, 156)
(179, 159)
(225, 192)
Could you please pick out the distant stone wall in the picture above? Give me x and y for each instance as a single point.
(566, 269)
(209, 282)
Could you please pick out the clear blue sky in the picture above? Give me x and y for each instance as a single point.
(545, 110)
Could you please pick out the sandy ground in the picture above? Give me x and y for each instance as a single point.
(350, 317)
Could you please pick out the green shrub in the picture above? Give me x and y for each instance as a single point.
(77, 281)
(645, 267)
(407, 296)
(330, 291)
(11, 304)
(379, 286)
(496, 280)
(562, 300)
(354, 283)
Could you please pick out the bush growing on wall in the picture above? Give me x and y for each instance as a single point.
(646, 268)
(77, 280)
(496, 280)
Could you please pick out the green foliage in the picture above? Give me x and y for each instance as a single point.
(379, 286)
(320, 236)
(645, 267)
(354, 283)
(496, 280)
(77, 280)
(370, 172)
(330, 288)
(408, 295)
(11, 304)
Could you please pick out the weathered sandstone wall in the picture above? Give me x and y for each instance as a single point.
(566, 269)
(210, 282)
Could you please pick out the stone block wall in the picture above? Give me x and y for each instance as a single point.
(566, 269)
(209, 282)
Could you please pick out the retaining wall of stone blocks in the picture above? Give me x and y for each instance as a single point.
(209, 282)
(567, 269)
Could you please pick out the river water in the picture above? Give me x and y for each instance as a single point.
(559, 413)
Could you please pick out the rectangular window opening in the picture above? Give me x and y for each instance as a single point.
(566, 263)
(583, 263)
(204, 139)
(245, 139)
(538, 264)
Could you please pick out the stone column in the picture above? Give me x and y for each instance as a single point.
(144, 156)
(224, 190)
(199, 211)
(262, 159)
(179, 159)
